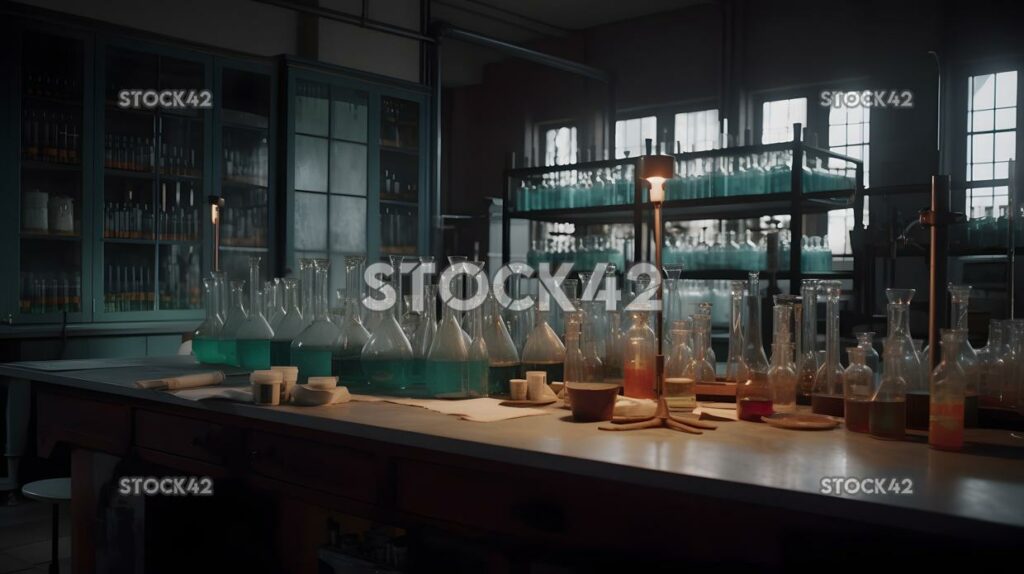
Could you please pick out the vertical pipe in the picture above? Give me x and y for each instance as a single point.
(796, 223)
(937, 288)
(438, 246)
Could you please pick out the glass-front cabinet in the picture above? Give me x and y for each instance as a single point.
(357, 169)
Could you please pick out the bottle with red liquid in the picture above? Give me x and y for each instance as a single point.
(948, 389)
(858, 387)
(639, 353)
(753, 396)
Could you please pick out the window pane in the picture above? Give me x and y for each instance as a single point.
(311, 108)
(349, 116)
(696, 131)
(630, 135)
(310, 221)
(1006, 145)
(981, 144)
(1006, 118)
(982, 121)
(836, 135)
(310, 163)
(983, 92)
(348, 168)
(779, 117)
(1006, 89)
(348, 224)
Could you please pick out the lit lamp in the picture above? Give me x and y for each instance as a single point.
(216, 205)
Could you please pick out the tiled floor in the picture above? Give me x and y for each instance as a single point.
(25, 537)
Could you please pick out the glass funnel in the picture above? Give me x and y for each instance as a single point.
(906, 363)
(640, 349)
(387, 356)
(314, 349)
(827, 396)
(807, 361)
(504, 358)
(448, 358)
(782, 378)
(753, 396)
(289, 326)
(346, 360)
(735, 370)
(206, 337)
(858, 388)
(254, 334)
(887, 415)
(236, 315)
(544, 350)
(946, 405)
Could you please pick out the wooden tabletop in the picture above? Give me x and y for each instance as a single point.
(740, 461)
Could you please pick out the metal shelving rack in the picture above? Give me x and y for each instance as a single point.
(796, 202)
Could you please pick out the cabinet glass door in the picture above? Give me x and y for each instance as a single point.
(399, 176)
(245, 166)
(50, 243)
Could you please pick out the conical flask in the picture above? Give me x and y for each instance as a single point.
(906, 363)
(254, 334)
(827, 396)
(753, 396)
(346, 362)
(236, 315)
(479, 361)
(887, 415)
(543, 350)
(313, 350)
(206, 337)
(504, 359)
(704, 308)
(387, 356)
(448, 358)
(735, 370)
(967, 357)
(290, 325)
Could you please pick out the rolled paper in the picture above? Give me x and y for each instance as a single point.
(517, 387)
(536, 382)
(322, 383)
(182, 382)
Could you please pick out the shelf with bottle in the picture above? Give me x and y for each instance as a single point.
(51, 87)
(180, 276)
(245, 157)
(583, 252)
(400, 183)
(598, 184)
(132, 154)
(399, 229)
(725, 251)
(244, 218)
(55, 292)
(128, 278)
(51, 138)
(400, 124)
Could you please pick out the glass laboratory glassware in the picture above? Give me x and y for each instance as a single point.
(572, 367)
(807, 361)
(447, 360)
(887, 414)
(504, 358)
(313, 349)
(640, 347)
(698, 370)
(254, 334)
(289, 326)
(274, 302)
(753, 396)
(307, 278)
(906, 361)
(235, 317)
(409, 317)
(735, 370)
(866, 341)
(593, 366)
(827, 395)
(459, 290)
(858, 388)
(544, 350)
(704, 308)
(946, 404)
(991, 368)
(346, 361)
(206, 337)
(967, 357)
(423, 338)
(613, 348)
(387, 356)
(782, 378)
(478, 363)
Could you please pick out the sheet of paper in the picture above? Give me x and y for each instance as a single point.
(237, 394)
(483, 410)
(726, 411)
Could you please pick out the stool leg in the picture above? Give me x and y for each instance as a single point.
(54, 562)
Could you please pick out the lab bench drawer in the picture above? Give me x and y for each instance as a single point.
(80, 422)
(334, 469)
(183, 436)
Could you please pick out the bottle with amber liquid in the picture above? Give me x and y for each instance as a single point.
(947, 395)
(639, 354)
(858, 388)
(753, 396)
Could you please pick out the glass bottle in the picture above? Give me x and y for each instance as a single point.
(858, 388)
(206, 337)
(289, 326)
(704, 308)
(735, 370)
(504, 359)
(946, 405)
(991, 368)
(590, 341)
(967, 357)
(314, 349)
(866, 341)
(613, 349)
(827, 396)
(906, 361)
(459, 290)
(639, 351)
(678, 390)
(236, 315)
(887, 414)
(387, 356)
(478, 365)
(448, 358)
(274, 303)
(346, 361)
(753, 396)
(700, 369)
(782, 378)
(307, 281)
(254, 334)
(807, 362)
(572, 367)
(543, 350)
(423, 338)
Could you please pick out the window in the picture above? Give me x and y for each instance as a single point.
(696, 131)
(849, 133)
(991, 140)
(778, 117)
(630, 136)
(560, 145)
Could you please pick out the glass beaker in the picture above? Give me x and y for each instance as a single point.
(858, 388)
(448, 358)
(906, 363)
(289, 326)
(640, 348)
(735, 370)
(254, 334)
(346, 361)
(807, 362)
(827, 396)
(387, 356)
(206, 337)
(314, 349)
(236, 315)
(782, 378)
(946, 404)
(753, 396)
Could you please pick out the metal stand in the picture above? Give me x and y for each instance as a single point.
(938, 218)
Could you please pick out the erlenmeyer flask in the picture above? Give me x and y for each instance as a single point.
(753, 396)
(887, 415)
(858, 388)
(346, 361)
(289, 327)
(946, 405)
(807, 362)
(504, 359)
(543, 350)
(906, 363)
(827, 396)
(254, 334)
(387, 356)
(314, 349)
(448, 358)
(967, 357)
(206, 337)
(735, 370)
(640, 348)
(478, 364)
(236, 315)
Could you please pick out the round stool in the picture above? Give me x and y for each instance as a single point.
(54, 491)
